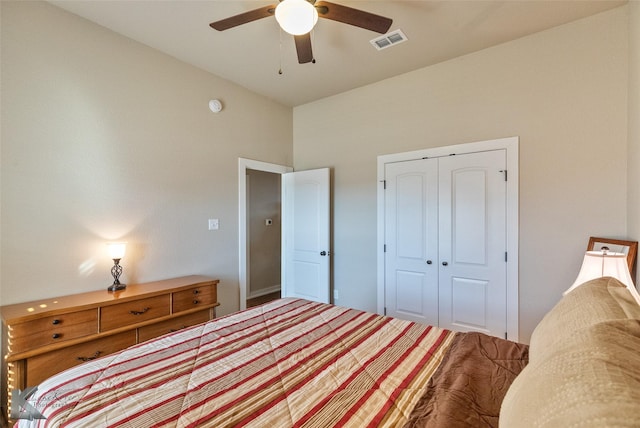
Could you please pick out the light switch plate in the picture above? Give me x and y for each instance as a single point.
(214, 224)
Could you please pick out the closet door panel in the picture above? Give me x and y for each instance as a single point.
(469, 212)
(411, 235)
(469, 303)
(472, 242)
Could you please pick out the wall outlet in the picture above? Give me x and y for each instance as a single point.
(214, 224)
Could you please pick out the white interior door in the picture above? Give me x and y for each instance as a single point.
(411, 253)
(472, 244)
(305, 235)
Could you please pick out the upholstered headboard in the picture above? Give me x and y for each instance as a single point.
(584, 363)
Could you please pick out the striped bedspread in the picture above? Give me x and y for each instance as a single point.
(289, 363)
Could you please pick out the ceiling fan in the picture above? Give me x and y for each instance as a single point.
(298, 17)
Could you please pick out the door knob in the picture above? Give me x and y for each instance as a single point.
(323, 253)
(445, 263)
(429, 262)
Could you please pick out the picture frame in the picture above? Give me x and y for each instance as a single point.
(630, 248)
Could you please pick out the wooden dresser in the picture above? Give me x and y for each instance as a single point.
(42, 338)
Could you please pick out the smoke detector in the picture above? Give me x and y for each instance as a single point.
(388, 40)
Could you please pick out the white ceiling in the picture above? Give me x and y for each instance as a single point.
(251, 55)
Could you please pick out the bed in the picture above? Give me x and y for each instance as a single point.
(290, 363)
(296, 363)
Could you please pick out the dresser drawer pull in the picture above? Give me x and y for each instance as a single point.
(173, 330)
(195, 302)
(93, 357)
(56, 322)
(196, 291)
(139, 312)
(56, 336)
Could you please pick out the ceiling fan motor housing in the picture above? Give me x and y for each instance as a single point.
(296, 17)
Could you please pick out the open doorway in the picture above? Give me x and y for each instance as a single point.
(259, 197)
(264, 233)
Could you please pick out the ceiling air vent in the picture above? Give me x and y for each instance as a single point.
(389, 39)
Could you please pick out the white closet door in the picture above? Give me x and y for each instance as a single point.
(472, 244)
(411, 237)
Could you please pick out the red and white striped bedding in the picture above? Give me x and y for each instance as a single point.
(289, 363)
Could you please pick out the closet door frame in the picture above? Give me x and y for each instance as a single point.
(510, 145)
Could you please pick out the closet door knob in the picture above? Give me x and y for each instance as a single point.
(445, 263)
(429, 262)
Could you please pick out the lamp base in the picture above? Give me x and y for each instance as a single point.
(116, 287)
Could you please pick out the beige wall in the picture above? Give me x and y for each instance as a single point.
(562, 91)
(104, 138)
(633, 163)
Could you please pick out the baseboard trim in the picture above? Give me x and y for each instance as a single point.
(264, 291)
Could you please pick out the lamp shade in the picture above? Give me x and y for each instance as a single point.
(597, 264)
(296, 17)
(116, 249)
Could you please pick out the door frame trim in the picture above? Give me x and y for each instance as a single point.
(511, 147)
(243, 166)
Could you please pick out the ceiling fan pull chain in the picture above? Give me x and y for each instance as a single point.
(313, 42)
(280, 69)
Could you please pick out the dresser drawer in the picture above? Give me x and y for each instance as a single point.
(44, 331)
(194, 297)
(123, 314)
(45, 365)
(174, 324)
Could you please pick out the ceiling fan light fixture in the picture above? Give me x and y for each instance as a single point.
(296, 17)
